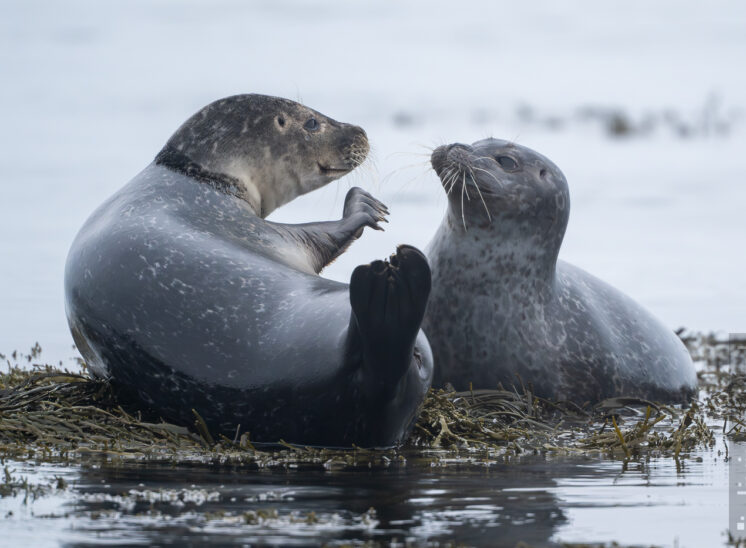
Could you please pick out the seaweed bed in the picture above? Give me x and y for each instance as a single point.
(49, 413)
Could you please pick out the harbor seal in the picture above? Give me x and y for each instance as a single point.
(504, 310)
(182, 295)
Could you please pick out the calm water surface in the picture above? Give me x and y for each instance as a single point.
(540, 500)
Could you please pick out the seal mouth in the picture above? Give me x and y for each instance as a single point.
(331, 170)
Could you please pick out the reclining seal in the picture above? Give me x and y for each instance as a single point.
(185, 297)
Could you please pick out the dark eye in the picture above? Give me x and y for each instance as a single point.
(507, 163)
(281, 121)
(311, 124)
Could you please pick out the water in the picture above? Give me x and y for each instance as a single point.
(539, 500)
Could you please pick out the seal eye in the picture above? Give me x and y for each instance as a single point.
(507, 163)
(281, 121)
(312, 125)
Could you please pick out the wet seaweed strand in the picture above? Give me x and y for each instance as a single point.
(46, 411)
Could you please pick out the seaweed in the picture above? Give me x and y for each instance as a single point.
(52, 413)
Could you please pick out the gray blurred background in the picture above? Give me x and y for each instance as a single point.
(640, 104)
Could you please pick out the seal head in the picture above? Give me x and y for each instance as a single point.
(511, 190)
(267, 150)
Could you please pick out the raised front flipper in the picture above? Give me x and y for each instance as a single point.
(388, 301)
(326, 241)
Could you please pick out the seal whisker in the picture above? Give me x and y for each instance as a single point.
(463, 188)
(453, 177)
(498, 181)
(428, 148)
(447, 174)
(409, 153)
(446, 177)
(486, 209)
(417, 176)
(423, 167)
(366, 169)
(425, 163)
(450, 188)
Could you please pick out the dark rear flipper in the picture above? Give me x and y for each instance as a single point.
(388, 301)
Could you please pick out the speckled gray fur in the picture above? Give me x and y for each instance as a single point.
(183, 295)
(504, 306)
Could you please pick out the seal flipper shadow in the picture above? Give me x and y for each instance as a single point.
(388, 300)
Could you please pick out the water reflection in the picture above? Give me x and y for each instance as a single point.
(476, 505)
(538, 500)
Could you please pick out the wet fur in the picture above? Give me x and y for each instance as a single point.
(504, 310)
(183, 296)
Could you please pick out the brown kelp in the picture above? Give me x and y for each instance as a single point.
(49, 412)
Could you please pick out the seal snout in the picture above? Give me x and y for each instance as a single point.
(357, 147)
(348, 149)
(459, 153)
(450, 158)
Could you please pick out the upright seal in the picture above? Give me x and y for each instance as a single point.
(504, 310)
(181, 294)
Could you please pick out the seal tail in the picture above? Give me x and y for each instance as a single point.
(388, 301)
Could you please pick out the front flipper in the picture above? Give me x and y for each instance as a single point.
(328, 240)
(388, 301)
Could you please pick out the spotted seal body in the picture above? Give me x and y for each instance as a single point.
(504, 310)
(186, 298)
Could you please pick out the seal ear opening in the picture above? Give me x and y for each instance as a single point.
(388, 300)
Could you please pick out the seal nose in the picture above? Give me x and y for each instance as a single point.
(457, 146)
(355, 145)
(438, 158)
(446, 155)
(360, 139)
(459, 153)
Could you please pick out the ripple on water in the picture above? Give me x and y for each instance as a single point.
(537, 500)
